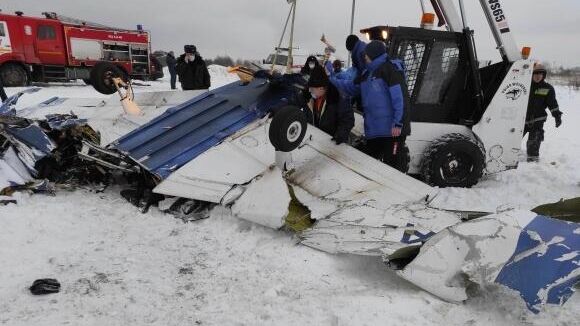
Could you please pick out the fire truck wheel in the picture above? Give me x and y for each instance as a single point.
(102, 76)
(287, 129)
(13, 75)
(453, 160)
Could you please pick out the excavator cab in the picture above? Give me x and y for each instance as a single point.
(438, 71)
(465, 120)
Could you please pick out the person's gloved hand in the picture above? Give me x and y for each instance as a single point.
(340, 138)
(558, 120)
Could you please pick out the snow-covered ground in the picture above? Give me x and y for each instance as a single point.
(120, 267)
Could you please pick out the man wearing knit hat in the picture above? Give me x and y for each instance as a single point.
(356, 47)
(385, 102)
(192, 70)
(326, 109)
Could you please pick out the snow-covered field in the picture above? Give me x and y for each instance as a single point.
(120, 267)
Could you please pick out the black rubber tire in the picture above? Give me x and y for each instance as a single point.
(13, 75)
(87, 82)
(454, 160)
(101, 77)
(287, 129)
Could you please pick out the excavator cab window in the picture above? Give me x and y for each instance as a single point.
(412, 53)
(436, 68)
(441, 68)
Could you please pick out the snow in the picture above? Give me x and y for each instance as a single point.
(120, 267)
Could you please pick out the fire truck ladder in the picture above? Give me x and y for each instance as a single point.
(76, 21)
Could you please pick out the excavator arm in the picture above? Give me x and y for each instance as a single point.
(496, 18)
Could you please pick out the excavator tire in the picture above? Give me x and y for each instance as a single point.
(454, 160)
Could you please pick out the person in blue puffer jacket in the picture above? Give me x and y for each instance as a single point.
(385, 102)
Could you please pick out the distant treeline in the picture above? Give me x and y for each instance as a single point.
(222, 60)
(563, 72)
(227, 61)
(566, 76)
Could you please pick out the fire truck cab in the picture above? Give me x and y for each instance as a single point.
(58, 48)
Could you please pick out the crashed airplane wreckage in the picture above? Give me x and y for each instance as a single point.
(242, 146)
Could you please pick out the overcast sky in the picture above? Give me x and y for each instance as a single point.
(251, 28)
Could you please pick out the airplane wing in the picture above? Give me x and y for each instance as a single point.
(361, 205)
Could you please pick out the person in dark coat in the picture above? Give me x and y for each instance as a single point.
(3, 95)
(309, 65)
(171, 62)
(192, 71)
(326, 109)
(386, 104)
(542, 96)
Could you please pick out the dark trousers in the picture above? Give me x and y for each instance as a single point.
(387, 150)
(2, 92)
(535, 139)
(173, 79)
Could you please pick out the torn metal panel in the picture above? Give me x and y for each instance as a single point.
(8, 106)
(366, 230)
(397, 186)
(265, 201)
(29, 142)
(439, 266)
(373, 213)
(319, 208)
(551, 248)
(12, 171)
(533, 255)
(361, 240)
(32, 136)
(63, 121)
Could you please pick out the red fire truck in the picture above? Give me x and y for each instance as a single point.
(58, 48)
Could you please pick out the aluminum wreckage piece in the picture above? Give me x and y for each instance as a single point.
(34, 152)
